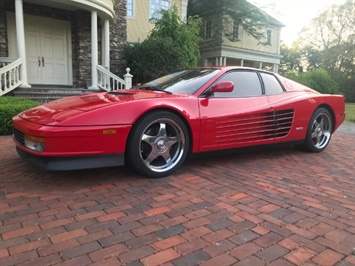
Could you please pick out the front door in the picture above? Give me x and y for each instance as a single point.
(240, 118)
(47, 51)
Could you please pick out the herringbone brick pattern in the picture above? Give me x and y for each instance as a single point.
(272, 207)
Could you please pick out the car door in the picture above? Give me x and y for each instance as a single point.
(239, 118)
(283, 105)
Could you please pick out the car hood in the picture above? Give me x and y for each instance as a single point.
(57, 111)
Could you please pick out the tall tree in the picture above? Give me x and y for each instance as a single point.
(329, 43)
(291, 62)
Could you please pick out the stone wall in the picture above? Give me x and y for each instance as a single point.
(118, 38)
(81, 45)
(80, 34)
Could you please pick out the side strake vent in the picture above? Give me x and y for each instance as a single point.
(283, 122)
(254, 127)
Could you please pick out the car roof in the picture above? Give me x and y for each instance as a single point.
(227, 68)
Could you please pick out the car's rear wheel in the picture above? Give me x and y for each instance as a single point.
(158, 144)
(319, 131)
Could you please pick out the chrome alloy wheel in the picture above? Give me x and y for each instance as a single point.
(321, 130)
(162, 145)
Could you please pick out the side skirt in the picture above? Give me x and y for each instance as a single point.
(246, 149)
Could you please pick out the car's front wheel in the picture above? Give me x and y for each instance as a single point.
(319, 131)
(158, 144)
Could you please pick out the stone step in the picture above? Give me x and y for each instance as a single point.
(46, 94)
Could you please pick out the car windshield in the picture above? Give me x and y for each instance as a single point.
(186, 81)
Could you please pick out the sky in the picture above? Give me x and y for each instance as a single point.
(295, 14)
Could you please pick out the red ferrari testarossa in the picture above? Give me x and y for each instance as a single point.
(155, 126)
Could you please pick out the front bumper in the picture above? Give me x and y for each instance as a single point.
(72, 162)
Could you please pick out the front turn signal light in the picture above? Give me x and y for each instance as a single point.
(34, 143)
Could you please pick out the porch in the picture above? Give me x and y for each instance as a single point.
(11, 82)
(52, 44)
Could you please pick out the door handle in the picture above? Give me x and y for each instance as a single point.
(42, 61)
(39, 61)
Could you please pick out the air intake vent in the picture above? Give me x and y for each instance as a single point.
(19, 136)
(283, 122)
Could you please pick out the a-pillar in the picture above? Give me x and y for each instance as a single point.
(94, 53)
(21, 47)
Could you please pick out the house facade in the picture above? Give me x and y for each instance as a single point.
(60, 42)
(226, 43)
(245, 50)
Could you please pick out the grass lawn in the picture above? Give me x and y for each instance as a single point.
(350, 113)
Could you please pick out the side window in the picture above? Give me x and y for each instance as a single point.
(246, 84)
(272, 85)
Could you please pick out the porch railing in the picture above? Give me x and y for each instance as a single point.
(9, 74)
(110, 82)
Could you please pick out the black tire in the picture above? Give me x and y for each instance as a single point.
(319, 131)
(158, 144)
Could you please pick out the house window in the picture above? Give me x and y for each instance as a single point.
(158, 5)
(235, 30)
(268, 37)
(130, 8)
(208, 29)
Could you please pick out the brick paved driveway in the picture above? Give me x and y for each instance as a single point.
(275, 207)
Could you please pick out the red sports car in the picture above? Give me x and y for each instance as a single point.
(155, 126)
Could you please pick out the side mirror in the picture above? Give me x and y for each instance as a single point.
(223, 86)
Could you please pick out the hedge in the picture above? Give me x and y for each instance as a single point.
(9, 107)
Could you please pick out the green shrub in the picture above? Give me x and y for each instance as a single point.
(172, 45)
(9, 107)
(317, 79)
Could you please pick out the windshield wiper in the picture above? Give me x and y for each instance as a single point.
(154, 89)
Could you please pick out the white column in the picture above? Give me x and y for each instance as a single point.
(94, 54)
(224, 61)
(279, 41)
(241, 62)
(219, 61)
(204, 62)
(275, 68)
(106, 61)
(21, 47)
(103, 44)
(261, 65)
